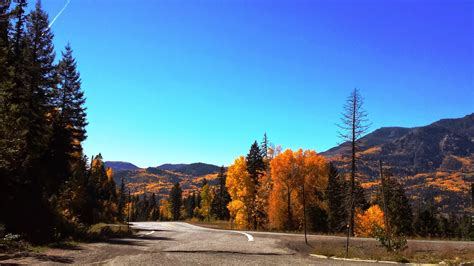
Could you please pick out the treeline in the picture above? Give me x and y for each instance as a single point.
(271, 189)
(48, 188)
(208, 203)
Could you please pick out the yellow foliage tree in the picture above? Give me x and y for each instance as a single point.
(291, 170)
(367, 222)
(240, 187)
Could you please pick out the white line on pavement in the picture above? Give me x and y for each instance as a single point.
(249, 236)
(149, 233)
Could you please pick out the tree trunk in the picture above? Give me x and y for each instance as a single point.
(304, 216)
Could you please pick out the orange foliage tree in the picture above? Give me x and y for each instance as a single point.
(369, 221)
(240, 187)
(291, 173)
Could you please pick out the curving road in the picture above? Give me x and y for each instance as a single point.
(178, 243)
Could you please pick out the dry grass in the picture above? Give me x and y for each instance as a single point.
(417, 251)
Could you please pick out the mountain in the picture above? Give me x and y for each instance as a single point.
(198, 169)
(120, 166)
(159, 180)
(194, 169)
(171, 167)
(434, 162)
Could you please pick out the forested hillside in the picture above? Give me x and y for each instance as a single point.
(159, 181)
(434, 162)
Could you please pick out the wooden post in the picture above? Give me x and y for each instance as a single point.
(384, 203)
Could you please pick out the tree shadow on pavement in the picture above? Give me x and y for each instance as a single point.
(38, 257)
(136, 240)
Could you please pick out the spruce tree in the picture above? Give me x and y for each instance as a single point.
(398, 208)
(122, 201)
(175, 201)
(222, 198)
(336, 195)
(255, 168)
(264, 147)
(68, 122)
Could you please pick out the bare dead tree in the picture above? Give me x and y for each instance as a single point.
(354, 124)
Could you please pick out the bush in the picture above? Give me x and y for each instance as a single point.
(391, 242)
(103, 231)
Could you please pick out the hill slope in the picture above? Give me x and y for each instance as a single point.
(159, 180)
(120, 166)
(434, 161)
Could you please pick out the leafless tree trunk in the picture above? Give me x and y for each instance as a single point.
(354, 125)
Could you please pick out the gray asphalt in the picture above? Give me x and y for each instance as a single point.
(179, 243)
(176, 243)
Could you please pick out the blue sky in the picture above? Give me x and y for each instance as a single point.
(187, 81)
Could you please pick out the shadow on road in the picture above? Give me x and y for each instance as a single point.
(38, 257)
(136, 240)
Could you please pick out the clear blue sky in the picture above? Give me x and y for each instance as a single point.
(187, 81)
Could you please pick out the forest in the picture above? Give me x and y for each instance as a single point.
(49, 189)
(46, 177)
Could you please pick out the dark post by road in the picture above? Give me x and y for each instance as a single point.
(304, 215)
(384, 202)
(129, 208)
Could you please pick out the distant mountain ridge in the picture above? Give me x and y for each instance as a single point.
(434, 161)
(159, 180)
(120, 166)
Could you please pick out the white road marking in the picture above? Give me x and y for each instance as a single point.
(149, 233)
(249, 236)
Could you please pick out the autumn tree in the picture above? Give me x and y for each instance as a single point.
(175, 201)
(284, 172)
(312, 190)
(369, 221)
(240, 187)
(299, 182)
(206, 202)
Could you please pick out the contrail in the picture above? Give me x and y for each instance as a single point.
(59, 14)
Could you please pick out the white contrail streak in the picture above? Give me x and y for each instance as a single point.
(59, 14)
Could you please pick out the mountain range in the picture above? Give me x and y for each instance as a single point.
(434, 162)
(160, 179)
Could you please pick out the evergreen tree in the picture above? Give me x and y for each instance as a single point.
(68, 122)
(175, 201)
(154, 213)
(255, 168)
(426, 222)
(398, 208)
(33, 71)
(122, 201)
(336, 196)
(264, 147)
(222, 198)
(190, 205)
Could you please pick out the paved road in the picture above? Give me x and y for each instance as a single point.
(177, 243)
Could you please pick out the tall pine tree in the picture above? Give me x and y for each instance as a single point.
(255, 168)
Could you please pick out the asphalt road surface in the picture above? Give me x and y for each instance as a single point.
(178, 243)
